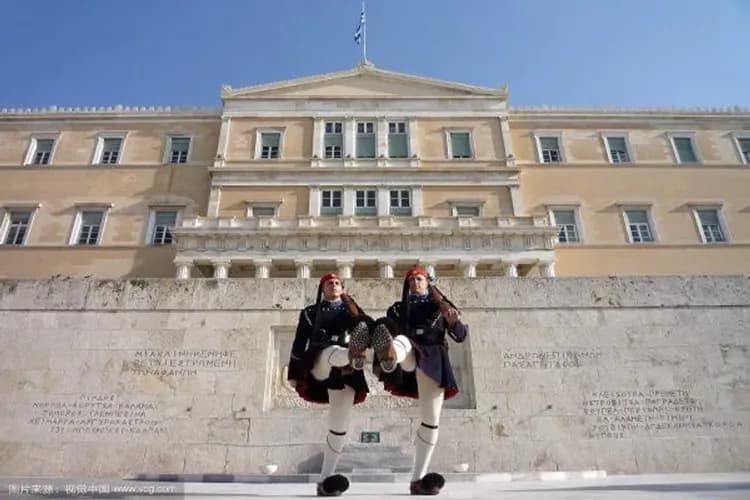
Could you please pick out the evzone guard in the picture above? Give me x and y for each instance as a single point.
(410, 357)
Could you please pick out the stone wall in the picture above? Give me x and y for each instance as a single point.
(115, 378)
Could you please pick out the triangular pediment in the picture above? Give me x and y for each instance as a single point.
(364, 82)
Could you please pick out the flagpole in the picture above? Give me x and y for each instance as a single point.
(364, 35)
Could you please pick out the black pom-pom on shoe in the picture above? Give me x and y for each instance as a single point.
(333, 486)
(430, 484)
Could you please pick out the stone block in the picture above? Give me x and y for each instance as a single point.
(17, 459)
(205, 459)
(616, 456)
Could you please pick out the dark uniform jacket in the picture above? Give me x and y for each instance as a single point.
(332, 328)
(427, 331)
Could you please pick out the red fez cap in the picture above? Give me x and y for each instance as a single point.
(328, 277)
(414, 271)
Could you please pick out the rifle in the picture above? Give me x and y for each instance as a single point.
(443, 303)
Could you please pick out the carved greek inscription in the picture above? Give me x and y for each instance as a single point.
(624, 414)
(182, 362)
(572, 358)
(96, 414)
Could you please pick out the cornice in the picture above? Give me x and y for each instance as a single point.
(224, 176)
(119, 111)
(555, 112)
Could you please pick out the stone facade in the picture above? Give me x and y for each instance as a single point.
(403, 162)
(120, 377)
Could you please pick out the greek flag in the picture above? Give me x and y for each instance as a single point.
(358, 32)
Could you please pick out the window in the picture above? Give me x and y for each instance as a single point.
(549, 149)
(460, 144)
(263, 208)
(365, 202)
(333, 140)
(400, 202)
(264, 211)
(161, 227)
(398, 140)
(179, 147)
(108, 150)
(330, 202)
(639, 227)
(18, 224)
(42, 151)
(710, 225)
(269, 144)
(466, 211)
(565, 220)
(617, 149)
(365, 140)
(743, 144)
(89, 227)
(684, 150)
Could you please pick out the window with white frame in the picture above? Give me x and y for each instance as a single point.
(565, 220)
(743, 144)
(330, 202)
(270, 145)
(709, 222)
(365, 202)
(638, 225)
(179, 147)
(549, 149)
(400, 202)
(466, 210)
(460, 144)
(365, 140)
(89, 226)
(333, 140)
(108, 150)
(617, 149)
(162, 222)
(684, 149)
(398, 140)
(17, 226)
(262, 210)
(41, 151)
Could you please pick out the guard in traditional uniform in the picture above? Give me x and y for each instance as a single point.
(326, 367)
(416, 327)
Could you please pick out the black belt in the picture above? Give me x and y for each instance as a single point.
(424, 336)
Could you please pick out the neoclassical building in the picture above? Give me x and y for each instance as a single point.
(368, 172)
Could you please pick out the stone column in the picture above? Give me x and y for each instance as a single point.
(384, 200)
(314, 201)
(385, 267)
(214, 200)
(547, 269)
(413, 142)
(318, 130)
(184, 270)
(469, 268)
(510, 269)
(262, 268)
(348, 201)
(381, 147)
(303, 268)
(221, 268)
(516, 200)
(350, 138)
(345, 268)
(416, 201)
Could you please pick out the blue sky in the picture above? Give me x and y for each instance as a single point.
(555, 52)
